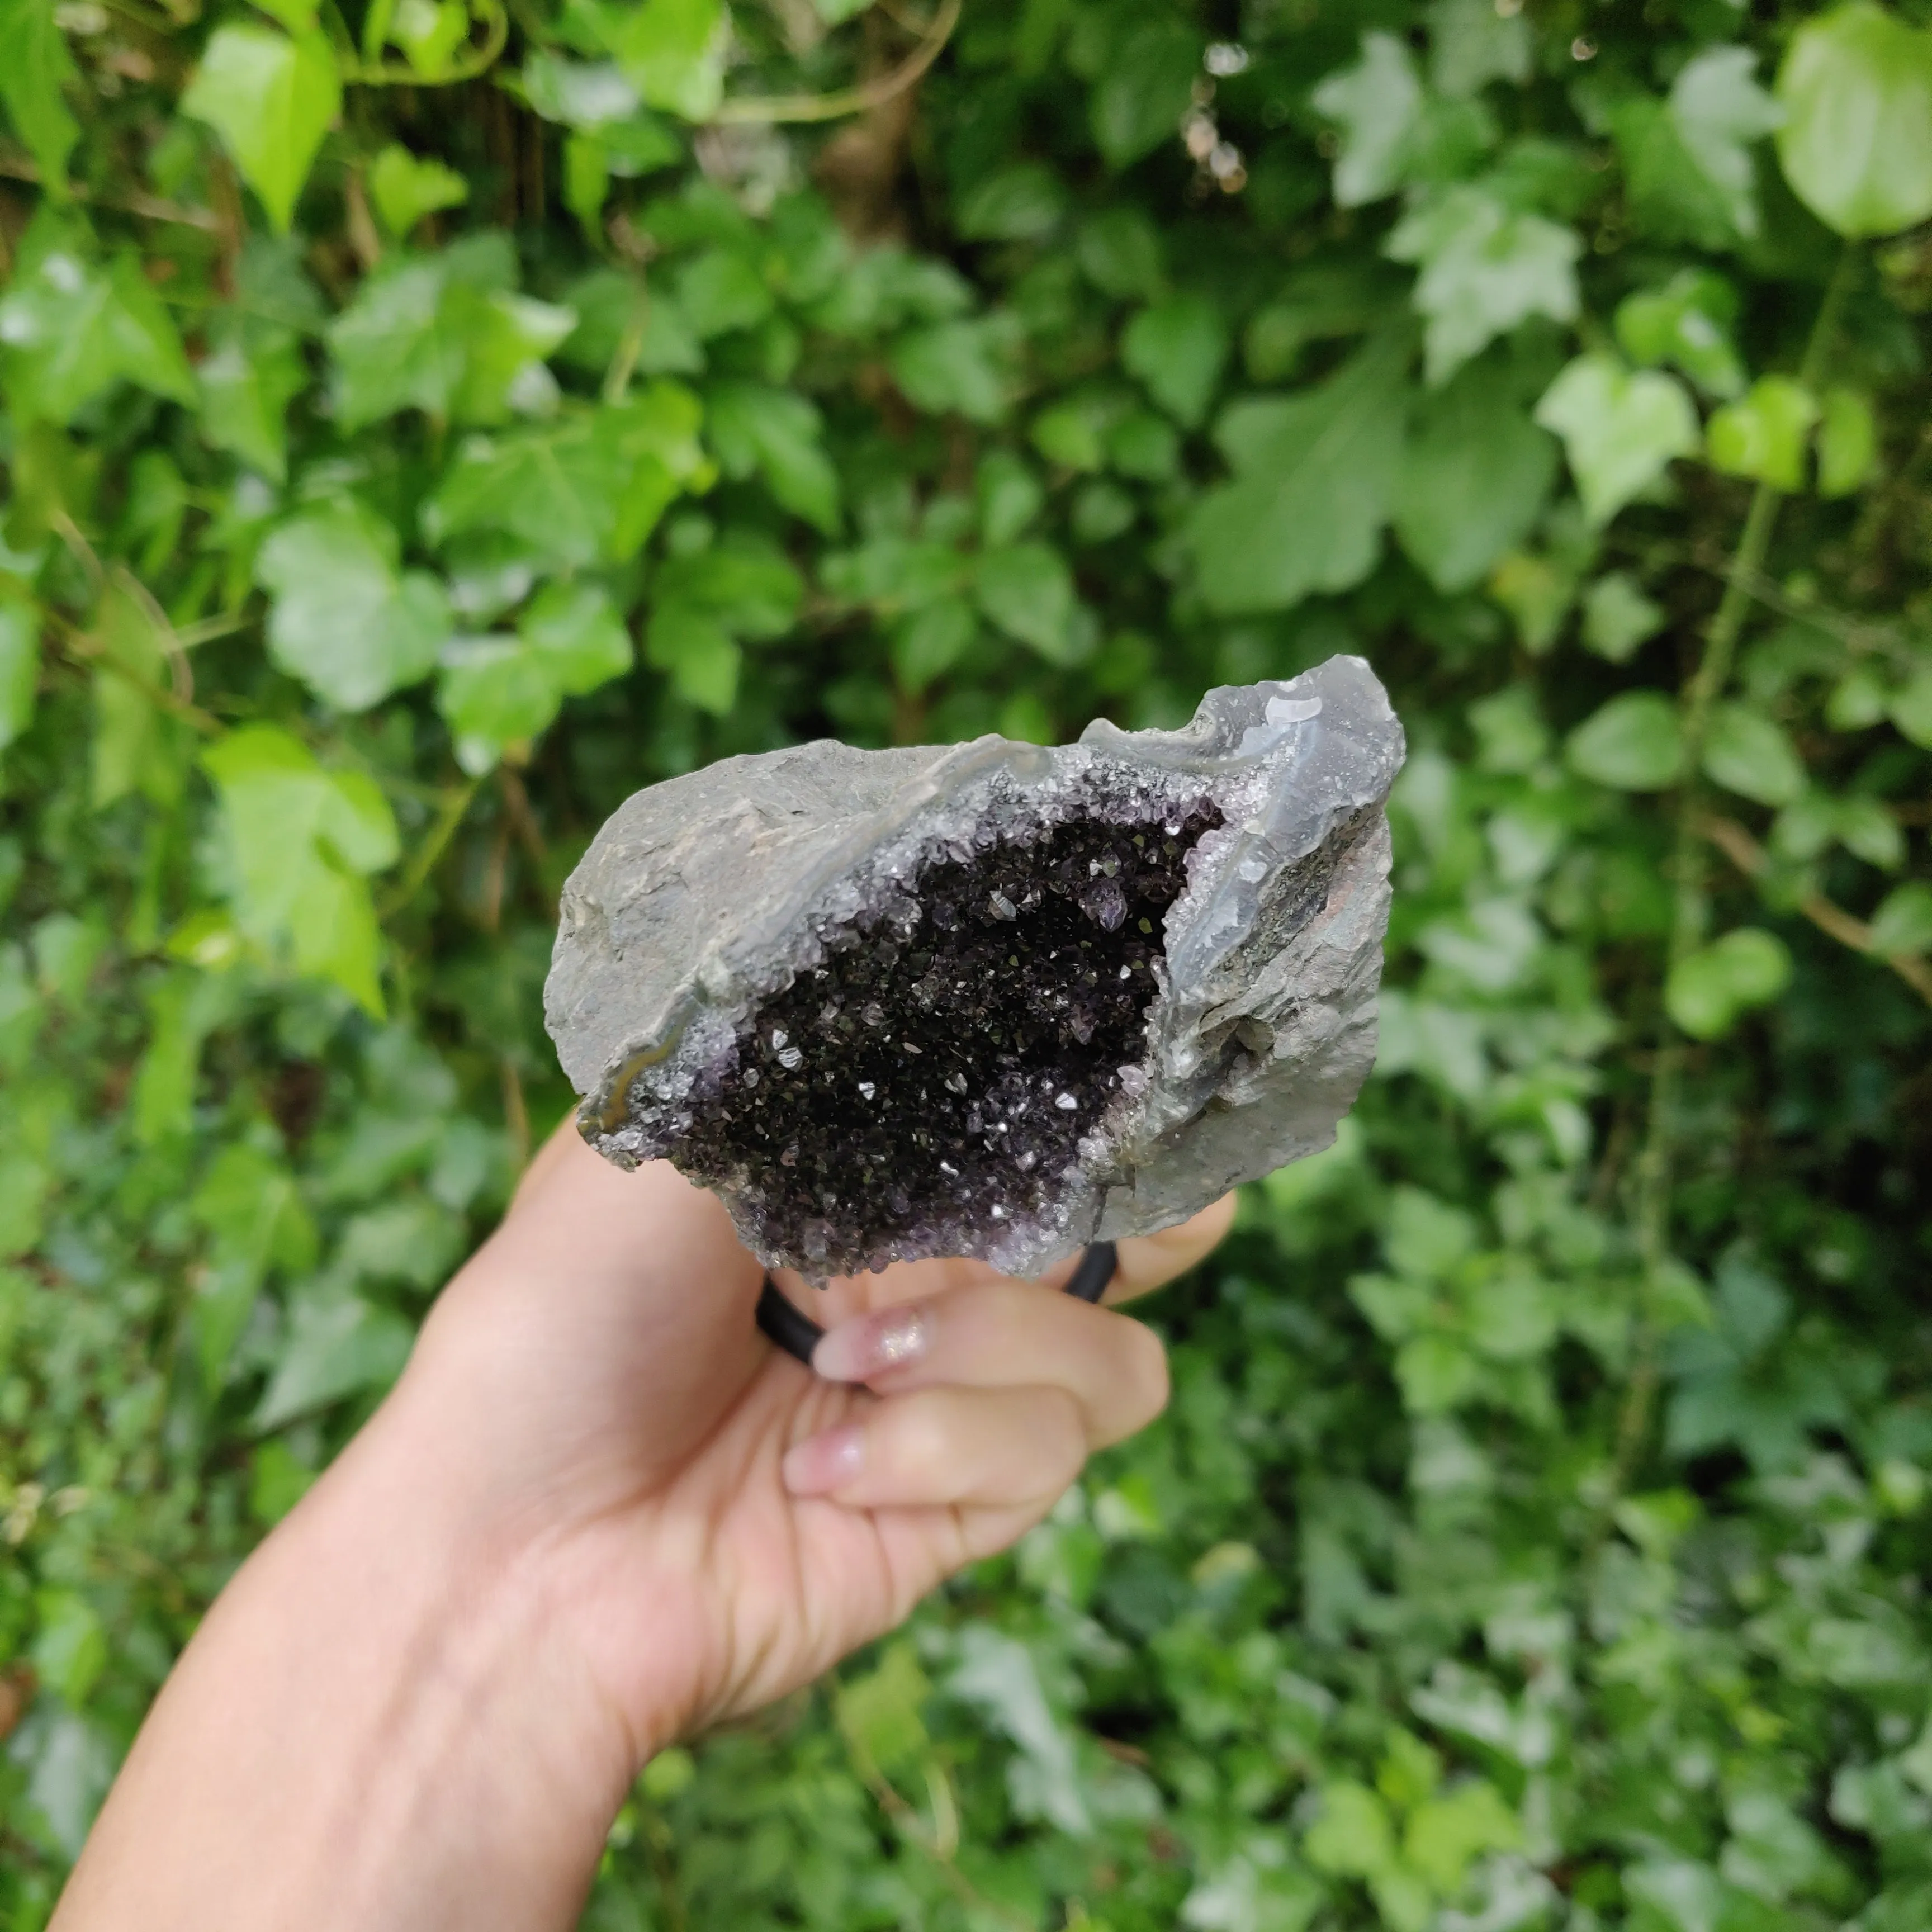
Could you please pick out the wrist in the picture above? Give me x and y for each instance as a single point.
(377, 1726)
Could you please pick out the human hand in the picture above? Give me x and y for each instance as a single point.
(730, 1523)
(599, 1510)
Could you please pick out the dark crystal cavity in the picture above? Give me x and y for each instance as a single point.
(936, 1072)
(875, 999)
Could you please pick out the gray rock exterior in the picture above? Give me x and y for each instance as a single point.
(702, 897)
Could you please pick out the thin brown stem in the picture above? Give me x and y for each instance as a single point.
(767, 108)
(149, 207)
(1751, 858)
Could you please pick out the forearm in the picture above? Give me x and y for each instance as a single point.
(374, 1728)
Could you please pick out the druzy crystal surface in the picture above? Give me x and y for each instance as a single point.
(988, 999)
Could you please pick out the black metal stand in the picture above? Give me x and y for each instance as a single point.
(798, 1334)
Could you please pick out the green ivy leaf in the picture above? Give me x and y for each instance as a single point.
(271, 98)
(346, 620)
(248, 1201)
(1620, 430)
(1633, 743)
(720, 290)
(1121, 252)
(1378, 104)
(586, 489)
(1752, 755)
(497, 691)
(930, 641)
(304, 841)
(20, 666)
(1352, 1834)
(1618, 616)
(1847, 442)
(1443, 1834)
(405, 188)
(582, 94)
(743, 581)
(879, 1713)
(1471, 44)
(780, 435)
(1025, 203)
(1178, 349)
(1902, 926)
(1687, 160)
(1474, 479)
(1485, 269)
(1142, 91)
(1909, 707)
(252, 371)
(1708, 993)
(673, 52)
(1315, 476)
(1009, 497)
(1763, 434)
(1071, 435)
(959, 367)
(137, 747)
(35, 69)
(1027, 591)
(71, 329)
(337, 1345)
(703, 658)
(1856, 144)
(429, 32)
(1721, 111)
(1690, 322)
(446, 334)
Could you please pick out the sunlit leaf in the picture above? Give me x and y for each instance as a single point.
(1709, 991)
(304, 839)
(1474, 477)
(1620, 429)
(35, 70)
(1315, 476)
(71, 327)
(673, 52)
(1856, 144)
(271, 98)
(1633, 743)
(1484, 270)
(346, 620)
(1764, 433)
(1377, 104)
(1690, 321)
(405, 188)
(1752, 755)
(1847, 442)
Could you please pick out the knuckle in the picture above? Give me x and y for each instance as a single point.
(922, 1445)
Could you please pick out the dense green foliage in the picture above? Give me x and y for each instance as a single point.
(424, 424)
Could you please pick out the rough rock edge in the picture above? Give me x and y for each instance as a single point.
(702, 897)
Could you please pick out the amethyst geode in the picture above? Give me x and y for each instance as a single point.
(988, 999)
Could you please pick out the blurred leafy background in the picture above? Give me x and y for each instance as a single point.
(426, 422)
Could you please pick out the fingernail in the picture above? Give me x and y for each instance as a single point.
(824, 1462)
(868, 1345)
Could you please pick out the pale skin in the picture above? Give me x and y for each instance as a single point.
(599, 1513)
